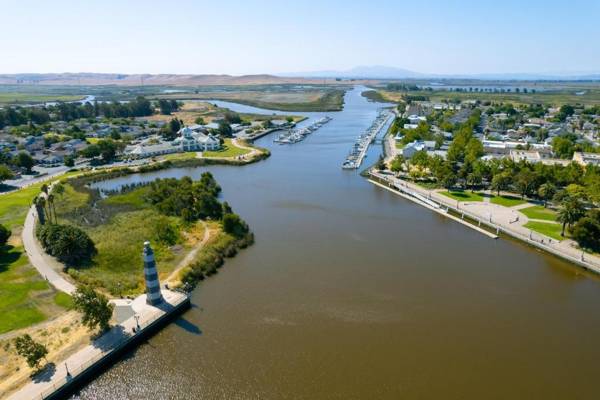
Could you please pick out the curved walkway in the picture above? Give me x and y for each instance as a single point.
(46, 265)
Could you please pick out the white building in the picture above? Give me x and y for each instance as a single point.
(191, 140)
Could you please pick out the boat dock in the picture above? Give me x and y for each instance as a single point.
(296, 135)
(360, 147)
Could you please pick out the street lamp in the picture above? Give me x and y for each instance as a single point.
(67, 369)
(137, 320)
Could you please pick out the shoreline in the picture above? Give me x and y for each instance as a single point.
(498, 228)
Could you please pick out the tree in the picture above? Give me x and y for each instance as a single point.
(525, 182)
(570, 212)
(586, 231)
(24, 160)
(107, 149)
(200, 121)
(67, 243)
(5, 173)
(225, 129)
(397, 163)
(501, 182)
(94, 306)
(234, 225)
(32, 351)
(563, 147)
(4, 235)
(546, 191)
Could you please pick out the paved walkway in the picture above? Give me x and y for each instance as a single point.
(507, 219)
(46, 382)
(47, 266)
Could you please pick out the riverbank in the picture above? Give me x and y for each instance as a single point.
(497, 218)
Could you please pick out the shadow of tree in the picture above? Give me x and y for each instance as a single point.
(112, 338)
(8, 255)
(45, 374)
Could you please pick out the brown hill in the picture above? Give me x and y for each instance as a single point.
(149, 79)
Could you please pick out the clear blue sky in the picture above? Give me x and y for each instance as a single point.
(243, 37)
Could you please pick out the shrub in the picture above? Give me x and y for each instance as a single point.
(234, 225)
(67, 243)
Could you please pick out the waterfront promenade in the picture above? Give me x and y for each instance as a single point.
(56, 378)
(497, 218)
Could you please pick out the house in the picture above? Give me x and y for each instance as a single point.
(153, 150)
(416, 119)
(584, 158)
(196, 141)
(418, 145)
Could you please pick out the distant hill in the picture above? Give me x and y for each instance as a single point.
(84, 78)
(384, 72)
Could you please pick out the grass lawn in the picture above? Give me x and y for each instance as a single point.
(228, 150)
(399, 145)
(463, 196)
(25, 297)
(14, 205)
(539, 212)
(507, 201)
(181, 156)
(546, 228)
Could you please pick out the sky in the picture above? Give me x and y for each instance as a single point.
(252, 36)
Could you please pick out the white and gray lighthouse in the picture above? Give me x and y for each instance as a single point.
(153, 295)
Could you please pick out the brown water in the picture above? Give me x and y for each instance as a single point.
(351, 292)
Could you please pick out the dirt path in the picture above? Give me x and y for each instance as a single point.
(187, 260)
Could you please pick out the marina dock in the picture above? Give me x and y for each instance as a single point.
(296, 135)
(360, 147)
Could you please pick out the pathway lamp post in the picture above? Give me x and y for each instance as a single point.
(137, 321)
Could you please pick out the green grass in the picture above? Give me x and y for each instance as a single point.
(181, 156)
(546, 228)
(63, 300)
(507, 201)
(463, 196)
(23, 292)
(14, 205)
(228, 150)
(539, 212)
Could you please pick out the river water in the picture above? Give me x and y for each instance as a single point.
(351, 292)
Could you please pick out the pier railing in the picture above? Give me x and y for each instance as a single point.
(124, 340)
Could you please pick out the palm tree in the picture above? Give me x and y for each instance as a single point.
(569, 213)
(40, 206)
(51, 206)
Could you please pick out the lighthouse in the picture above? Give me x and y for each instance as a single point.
(153, 296)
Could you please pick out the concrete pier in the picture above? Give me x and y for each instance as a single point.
(84, 365)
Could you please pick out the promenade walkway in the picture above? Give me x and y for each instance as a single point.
(120, 335)
(508, 220)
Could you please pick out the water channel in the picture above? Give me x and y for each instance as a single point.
(351, 292)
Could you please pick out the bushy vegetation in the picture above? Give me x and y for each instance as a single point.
(67, 243)
(185, 198)
(32, 351)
